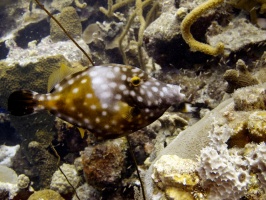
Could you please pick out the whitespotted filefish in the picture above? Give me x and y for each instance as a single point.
(108, 100)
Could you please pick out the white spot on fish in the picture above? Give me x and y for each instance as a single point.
(41, 98)
(150, 95)
(157, 83)
(84, 80)
(117, 69)
(142, 92)
(70, 119)
(93, 73)
(93, 107)
(116, 107)
(60, 88)
(73, 108)
(106, 126)
(123, 77)
(104, 105)
(122, 87)
(104, 113)
(135, 70)
(97, 120)
(165, 90)
(124, 69)
(154, 89)
(114, 122)
(148, 83)
(56, 97)
(106, 95)
(132, 93)
(125, 92)
(112, 84)
(104, 86)
(89, 95)
(97, 80)
(70, 82)
(87, 121)
(161, 94)
(110, 75)
(75, 90)
(118, 96)
(139, 98)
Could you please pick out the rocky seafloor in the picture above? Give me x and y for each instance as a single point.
(216, 152)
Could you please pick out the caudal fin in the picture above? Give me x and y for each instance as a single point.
(21, 103)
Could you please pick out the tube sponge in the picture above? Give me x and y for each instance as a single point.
(190, 19)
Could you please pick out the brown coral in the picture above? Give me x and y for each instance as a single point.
(238, 78)
(69, 19)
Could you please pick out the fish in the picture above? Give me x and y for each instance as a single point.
(110, 100)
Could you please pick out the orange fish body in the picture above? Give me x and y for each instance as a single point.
(109, 100)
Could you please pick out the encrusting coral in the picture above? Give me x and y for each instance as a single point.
(190, 19)
(70, 21)
(222, 172)
(45, 195)
(59, 182)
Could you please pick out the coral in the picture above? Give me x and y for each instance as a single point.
(69, 19)
(177, 193)
(59, 5)
(257, 162)
(250, 99)
(238, 78)
(208, 143)
(59, 182)
(7, 153)
(79, 4)
(257, 125)
(8, 183)
(250, 6)
(23, 181)
(190, 19)
(8, 175)
(45, 195)
(144, 21)
(113, 7)
(222, 173)
(176, 176)
(104, 164)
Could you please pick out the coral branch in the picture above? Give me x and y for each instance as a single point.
(113, 7)
(190, 19)
(80, 5)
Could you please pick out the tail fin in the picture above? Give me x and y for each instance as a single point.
(21, 103)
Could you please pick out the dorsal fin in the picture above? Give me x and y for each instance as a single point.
(58, 75)
(82, 132)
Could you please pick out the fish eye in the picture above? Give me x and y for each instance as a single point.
(135, 81)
